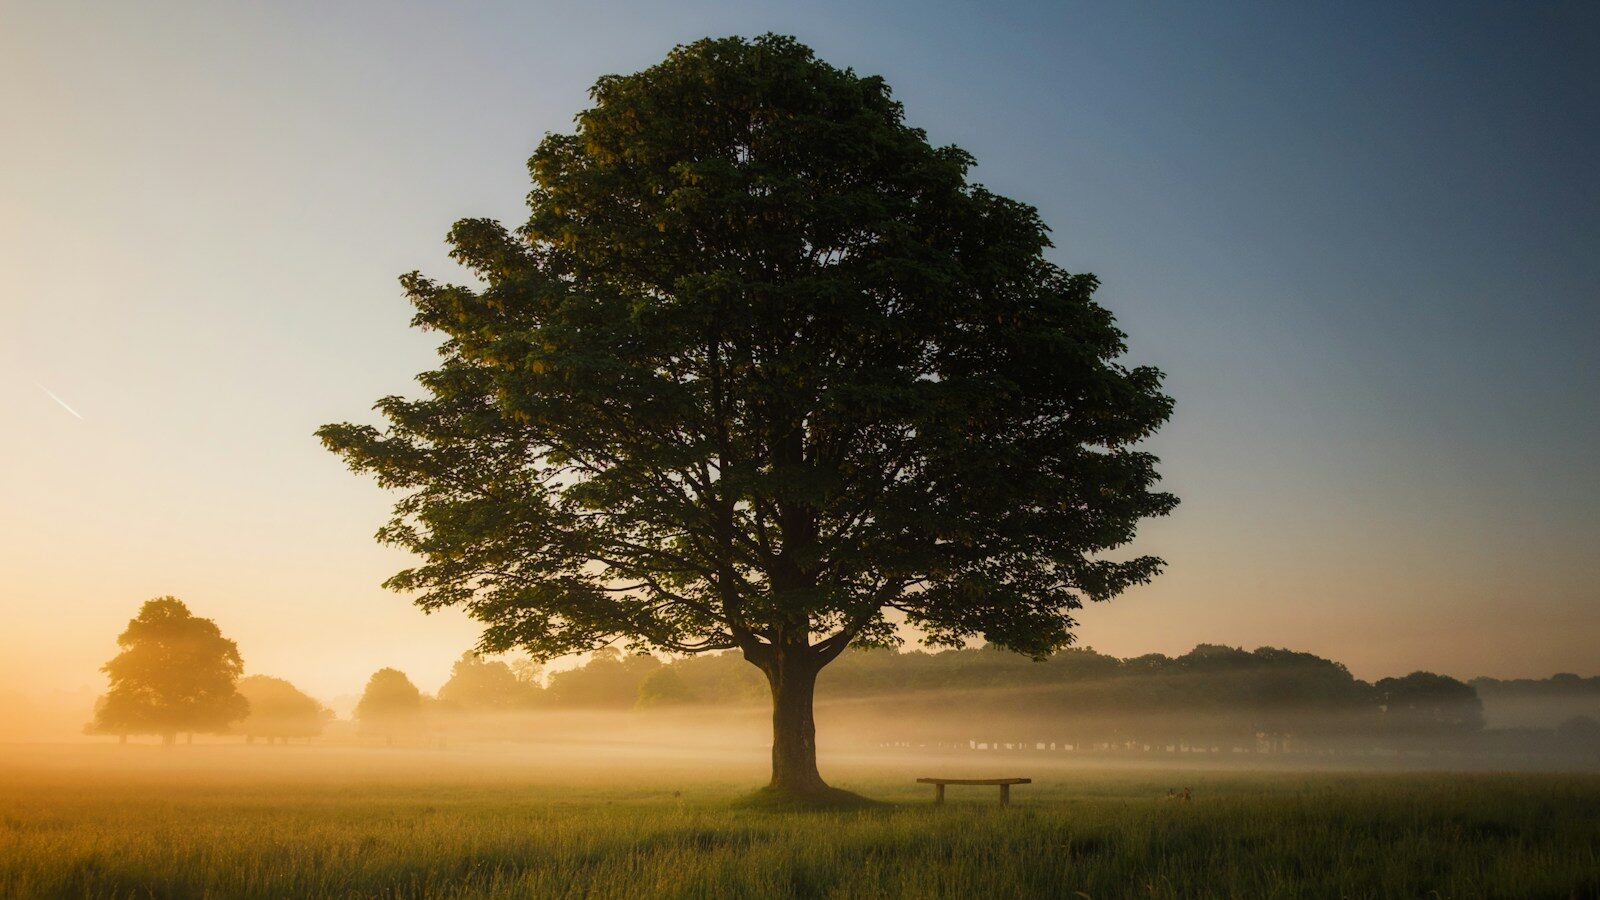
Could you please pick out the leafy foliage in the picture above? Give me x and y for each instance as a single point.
(176, 673)
(761, 365)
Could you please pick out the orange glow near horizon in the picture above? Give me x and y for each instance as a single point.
(202, 219)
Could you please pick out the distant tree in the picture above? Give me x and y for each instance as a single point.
(176, 673)
(761, 368)
(479, 684)
(1273, 693)
(609, 680)
(1423, 702)
(723, 678)
(664, 687)
(390, 707)
(279, 710)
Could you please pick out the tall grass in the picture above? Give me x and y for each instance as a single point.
(186, 832)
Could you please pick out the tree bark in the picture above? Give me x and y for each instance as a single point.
(792, 675)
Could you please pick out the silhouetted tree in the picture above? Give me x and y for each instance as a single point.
(176, 673)
(390, 707)
(762, 365)
(1423, 703)
(479, 684)
(279, 710)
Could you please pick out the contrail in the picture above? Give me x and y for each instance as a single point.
(59, 400)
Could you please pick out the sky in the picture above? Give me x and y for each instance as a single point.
(1361, 239)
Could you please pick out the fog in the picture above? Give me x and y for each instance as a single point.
(956, 732)
(967, 709)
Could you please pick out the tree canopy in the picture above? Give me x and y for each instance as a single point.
(278, 709)
(176, 673)
(391, 706)
(763, 370)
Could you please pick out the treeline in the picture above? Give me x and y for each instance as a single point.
(1213, 697)
(178, 674)
(1538, 703)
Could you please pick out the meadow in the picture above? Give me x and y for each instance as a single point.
(271, 822)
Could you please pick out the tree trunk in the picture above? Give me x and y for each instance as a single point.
(168, 739)
(793, 679)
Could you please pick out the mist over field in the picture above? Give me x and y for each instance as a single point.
(871, 450)
(629, 776)
(1216, 706)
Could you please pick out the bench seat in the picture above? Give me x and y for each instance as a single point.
(1004, 784)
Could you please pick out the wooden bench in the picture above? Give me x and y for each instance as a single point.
(1004, 783)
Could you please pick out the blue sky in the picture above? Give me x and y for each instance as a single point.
(1361, 239)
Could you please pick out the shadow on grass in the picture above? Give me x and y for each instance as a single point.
(830, 799)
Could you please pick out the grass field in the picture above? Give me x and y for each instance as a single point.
(315, 822)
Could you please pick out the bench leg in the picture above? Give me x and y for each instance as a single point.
(938, 795)
(1005, 795)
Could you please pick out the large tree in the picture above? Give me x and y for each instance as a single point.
(176, 673)
(763, 370)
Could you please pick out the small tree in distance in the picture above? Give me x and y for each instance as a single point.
(279, 710)
(764, 371)
(176, 673)
(390, 707)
